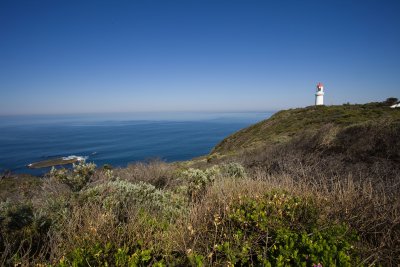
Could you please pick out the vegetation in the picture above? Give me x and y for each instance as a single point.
(286, 124)
(17, 187)
(391, 101)
(312, 191)
(277, 229)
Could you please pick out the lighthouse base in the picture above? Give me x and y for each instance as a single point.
(319, 100)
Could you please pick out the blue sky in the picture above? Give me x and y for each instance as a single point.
(121, 56)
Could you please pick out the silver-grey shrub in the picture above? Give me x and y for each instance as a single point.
(198, 180)
(233, 170)
(120, 195)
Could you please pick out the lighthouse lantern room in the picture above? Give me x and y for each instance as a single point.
(319, 95)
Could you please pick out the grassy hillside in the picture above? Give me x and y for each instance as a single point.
(286, 124)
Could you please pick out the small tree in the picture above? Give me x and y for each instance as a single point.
(391, 101)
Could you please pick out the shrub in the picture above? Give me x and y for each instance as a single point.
(233, 170)
(212, 157)
(120, 195)
(109, 174)
(198, 180)
(278, 229)
(13, 216)
(155, 172)
(56, 209)
(391, 101)
(109, 255)
(107, 167)
(23, 233)
(77, 178)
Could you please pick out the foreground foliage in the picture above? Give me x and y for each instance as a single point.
(278, 229)
(113, 222)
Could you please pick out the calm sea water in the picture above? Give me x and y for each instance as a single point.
(117, 139)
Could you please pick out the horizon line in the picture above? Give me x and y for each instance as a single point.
(136, 112)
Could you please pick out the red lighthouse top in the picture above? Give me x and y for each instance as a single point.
(320, 86)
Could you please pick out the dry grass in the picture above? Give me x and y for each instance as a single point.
(155, 172)
(91, 224)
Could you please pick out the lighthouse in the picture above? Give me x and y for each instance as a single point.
(319, 95)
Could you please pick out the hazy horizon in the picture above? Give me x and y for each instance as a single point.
(79, 57)
(94, 113)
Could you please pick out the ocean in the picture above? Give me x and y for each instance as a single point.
(116, 139)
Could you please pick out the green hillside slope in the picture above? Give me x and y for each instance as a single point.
(286, 124)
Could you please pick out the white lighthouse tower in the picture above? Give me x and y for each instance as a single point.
(319, 95)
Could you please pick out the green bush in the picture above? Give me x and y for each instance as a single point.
(14, 216)
(22, 231)
(280, 230)
(108, 255)
(77, 178)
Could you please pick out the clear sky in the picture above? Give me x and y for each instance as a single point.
(63, 56)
